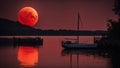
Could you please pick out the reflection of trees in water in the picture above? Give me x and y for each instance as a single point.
(112, 55)
(27, 56)
(115, 58)
(86, 52)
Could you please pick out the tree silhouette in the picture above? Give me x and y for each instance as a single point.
(116, 8)
(114, 26)
(113, 29)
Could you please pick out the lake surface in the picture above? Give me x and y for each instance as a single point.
(52, 55)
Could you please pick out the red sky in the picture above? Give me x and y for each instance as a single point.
(62, 14)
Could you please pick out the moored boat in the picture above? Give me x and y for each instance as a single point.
(75, 45)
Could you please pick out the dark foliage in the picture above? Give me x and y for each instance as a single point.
(116, 8)
(114, 29)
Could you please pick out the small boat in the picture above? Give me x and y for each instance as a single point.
(75, 45)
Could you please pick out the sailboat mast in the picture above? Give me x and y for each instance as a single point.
(78, 27)
(78, 22)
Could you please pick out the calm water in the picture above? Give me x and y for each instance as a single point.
(52, 55)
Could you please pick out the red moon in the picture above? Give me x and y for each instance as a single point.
(28, 16)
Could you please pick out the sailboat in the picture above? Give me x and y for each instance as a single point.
(75, 45)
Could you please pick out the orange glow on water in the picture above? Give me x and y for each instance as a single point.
(27, 56)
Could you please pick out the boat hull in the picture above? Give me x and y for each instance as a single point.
(78, 46)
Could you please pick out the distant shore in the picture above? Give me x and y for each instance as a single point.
(61, 33)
